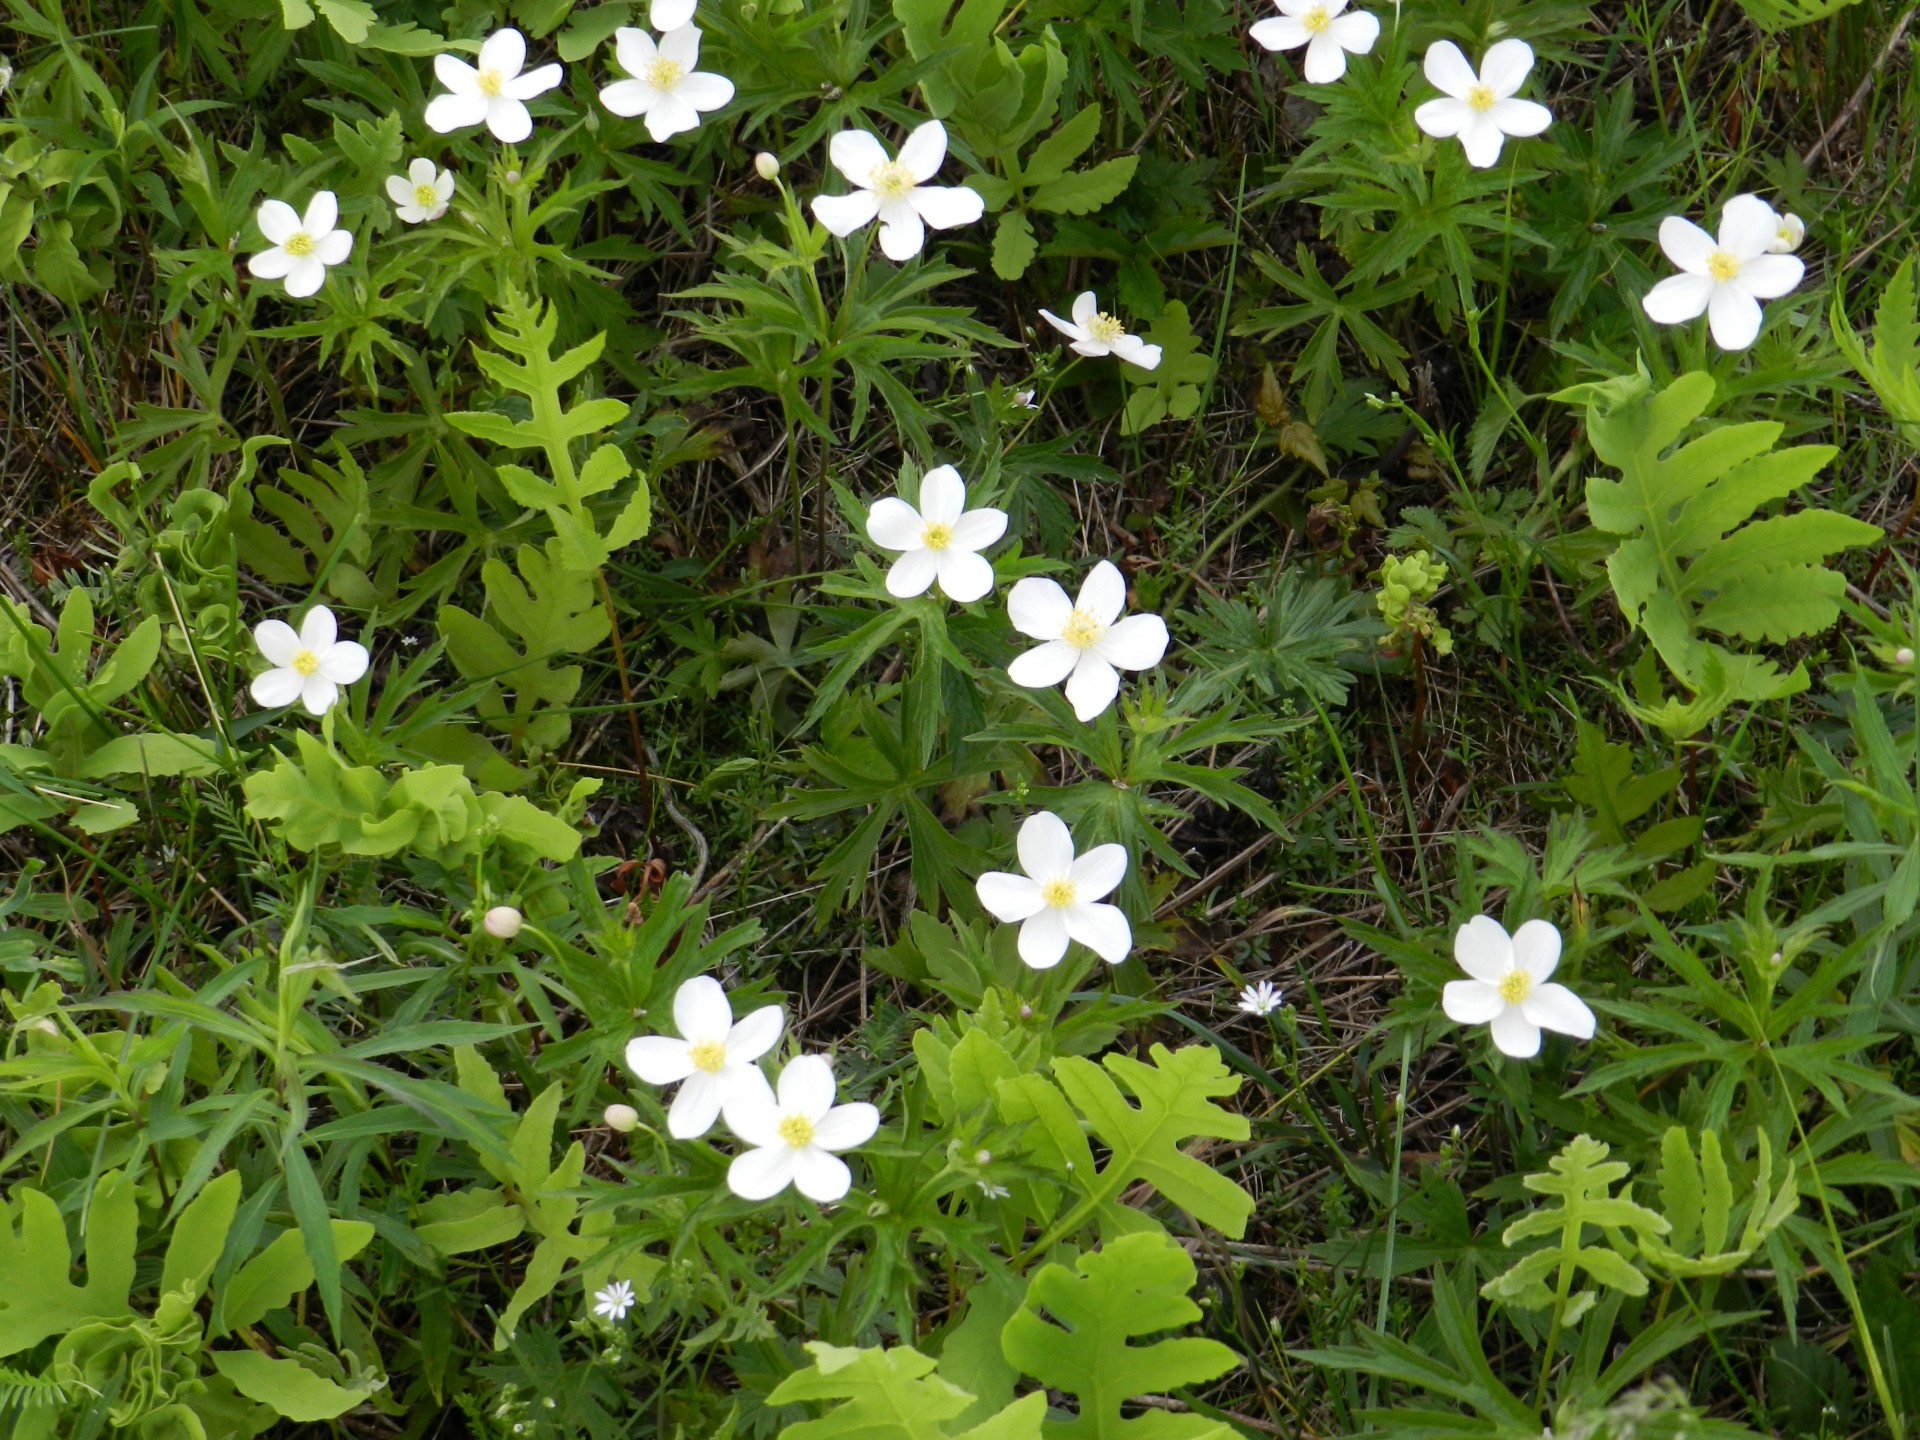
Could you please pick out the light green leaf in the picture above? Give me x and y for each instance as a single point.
(892, 1395)
(294, 1391)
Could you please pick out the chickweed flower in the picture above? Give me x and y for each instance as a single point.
(713, 1057)
(1728, 277)
(1510, 989)
(1094, 333)
(1054, 901)
(1085, 641)
(1326, 31)
(665, 87)
(422, 193)
(503, 922)
(494, 93)
(895, 191)
(303, 246)
(794, 1133)
(1260, 999)
(940, 541)
(309, 666)
(614, 1301)
(1480, 107)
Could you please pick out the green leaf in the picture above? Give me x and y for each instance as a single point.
(294, 1392)
(1014, 245)
(37, 1297)
(1084, 191)
(271, 1279)
(892, 1395)
(471, 1219)
(1172, 389)
(1055, 155)
(200, 1234)
(1696, 1194)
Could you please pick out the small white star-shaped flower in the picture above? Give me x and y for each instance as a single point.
(422, 193)
(895, 191)
(939, 541)
(309, 666)
(1095, 333)
(1055, 900)
(1260, 999)
(613, 1302)
(664, 86)
(303, 246)
(1086, 643)
(1321, 26)
(494, 93)
(1480, 107)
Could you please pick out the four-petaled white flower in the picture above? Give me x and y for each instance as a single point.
(795, 1133)
(613, 1302)
(713, 1057)
(1510, 988)
(1055, 900)
(1728, 277)
(303, 246)
(1321, 26)
(665, 87)
(1480, 107)
(494, 93)
(309, 666)
(1095, 333)
(1788, 231)
(1086, 642)
(895, 191)
(422, 193)
(939, 541)
(1260, 999)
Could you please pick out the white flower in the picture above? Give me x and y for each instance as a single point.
(494, 94)
(895, 190)
(503, 922)
(992, 1191)
(666, 15)
(1095, 333)
(1728, 277)
(1323, 29)
(1086, 642)
(1510, 988)
(623, 1118)
(1480, 108)
(1788, 231)
(795, 1133)
(422, 193)
(613, 1302)
(939, 541)
(665, 86)
(303, 247)
(1054, 900)
(1261, 999)
(713, 1056)
(310, 666)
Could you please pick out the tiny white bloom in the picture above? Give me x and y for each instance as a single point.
(665, 87)
(1095, 333)
(895, 191)
(1086, 642)
(495, 93)
(1727, 278)
(303, 246)
(503, 922)
(795, 1133)
(1054, 901)
(1480, 106)
(614, 1301)
(1510, 987)
(940, 541)
(1327, 33)
(309, 666)
(713, 1057)
(1788, 231)
(1260, 999)
(623, 1118)
(992, 1191)
(422, 193)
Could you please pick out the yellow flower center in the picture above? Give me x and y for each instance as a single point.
(298, 243)
(1784, 234)
(1517, 985)
(662, 73)
(1082, 631)
(425, 196)
(796, 1130)
(708, 1055)
(891, 180)
(1316, 20)
(937, 536)
(1058, 893)
(490, 81)
(305, 662)
(1723, 266)
(1104, 328)
(1480, 97)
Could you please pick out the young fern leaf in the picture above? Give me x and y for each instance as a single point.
(21, 1391)
(1581, 1178)
(1892, 366)
(1696, 1193)
(893, 1395)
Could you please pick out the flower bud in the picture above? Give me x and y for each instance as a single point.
(766, 165)
(513, 177)
(1903, 656)
(983, 1157)
(623, 1118)
(503, 922)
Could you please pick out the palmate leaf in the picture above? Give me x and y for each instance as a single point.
(893, 1395)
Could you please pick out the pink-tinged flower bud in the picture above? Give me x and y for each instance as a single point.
(623, 1118)
(503, 922)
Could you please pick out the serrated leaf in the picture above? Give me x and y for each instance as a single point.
(1014, 245)
(892, 1394)
(1083, 191)
(1053, 156)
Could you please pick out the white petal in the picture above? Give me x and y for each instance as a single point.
(1064, 327)
(1733, 316)
(1482, 139)
(1555, 1007)
(1003, 895)
(977, 529)
(1470, 1002)
(1678, 298)
(945, 206)
(399, 190)
(272, 689)
(1442, 119)
(278, 221)
(1748, 226)
(1135, 351)
(924, 151)
(457, 75)
(634, 49)
(912, 574)
(844, 214)
(323, 211)
(671, 115)
(1482, 949)
(422, 171)
(1103, 929)
(666, 15)
(1086, 308)
(509, 120)
(447, 113)
(806, 1086)
(1355, 32)
(964, 576)
(1136, 643)
(1767, 277)
(343, 662)
(1043, 939)
(1687, 245)
(628, 98)
(1504, 68)
(443, 187)
(846, 1126)
(277, 641)
(892, 524)
(319, 694)
(1103, 594)
(1326, 61)
(1448, 72)
(761, 1174)
(270, 264)
(819, 1176)
(1045, 846)
(701, 1011)
(659, 1059)
(943, 495)
(1515, 1035)
(506, 51)
(1038, 607)
(682, 46)
(1044, 665)
(334, 247)
(1279, 32)
(1092, 686)
(856, 154)
(305, 276)
(696, 1107)
(1520, 118)
(1536, 948)
(705, 92)
(901, 239)
(752, 1112)
(1098, 873)
(752, 1037)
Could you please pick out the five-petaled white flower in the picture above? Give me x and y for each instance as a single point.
(422, 193)
(309, 666)
(895, 191)
(1728, 277)
(1260, 999)
(666, 88)
(1055, 900)
(613, 1302)
(939, 541)
(1480, 107)
(1086, 641)
(714, 1055)
(1510, 987)
(1095, 333)
(1321, 26)
(1788, 231)
(495, 93)
(303, 246)
(794, 1133)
